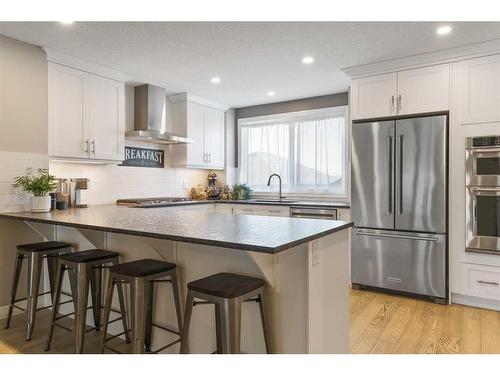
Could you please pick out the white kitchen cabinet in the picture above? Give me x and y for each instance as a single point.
(411, 91)
(374, 96)
(424, 90)
(86, 115)
(478, 83)
(204, 124)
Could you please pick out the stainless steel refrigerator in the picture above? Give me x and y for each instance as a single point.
(399, 205)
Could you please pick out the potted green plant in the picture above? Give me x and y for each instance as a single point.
(40, 184)
(241, 191)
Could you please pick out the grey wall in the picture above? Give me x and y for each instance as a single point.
(23, 97)
(316, 102)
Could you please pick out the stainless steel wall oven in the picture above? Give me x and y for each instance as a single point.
(483, 194)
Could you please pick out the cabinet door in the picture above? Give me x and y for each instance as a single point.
(214, 137)
(479, 90)
(107, 119)
(195, 130)
(374, 96)
(67, 112)
(424, 90)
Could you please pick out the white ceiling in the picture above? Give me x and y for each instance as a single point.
(251, 58)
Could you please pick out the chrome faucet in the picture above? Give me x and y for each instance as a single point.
(269, 184)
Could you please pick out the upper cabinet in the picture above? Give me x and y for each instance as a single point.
(478, 83)
(406, 92)
(204, 124)
(86, 115)
(374, 96)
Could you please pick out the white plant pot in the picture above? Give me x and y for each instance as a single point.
(40, 204)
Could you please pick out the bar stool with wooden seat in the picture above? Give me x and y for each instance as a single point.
(142, 275)
(85, 269)
(35, 253)
(227, 291)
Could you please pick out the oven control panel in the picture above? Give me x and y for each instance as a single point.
(490, 141)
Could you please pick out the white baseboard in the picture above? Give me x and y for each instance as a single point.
(484, 303)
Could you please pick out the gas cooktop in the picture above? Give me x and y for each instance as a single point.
(151, 202)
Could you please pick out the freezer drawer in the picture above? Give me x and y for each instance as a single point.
(403, 261)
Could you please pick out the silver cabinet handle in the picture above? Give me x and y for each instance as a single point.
(93, 146)
(431, 238)
(209, 157)
(399, 102)
(389, 177)
(487, 282)
(204, 157)
(400, 211)
(87, 146)
(392, 104)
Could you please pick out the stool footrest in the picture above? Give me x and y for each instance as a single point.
(62, 326)
(165, 328)
(166, 346)
(115, 336)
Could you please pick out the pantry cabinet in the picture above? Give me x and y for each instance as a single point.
(478, 83)
(405, 92)
(204, 124)
(86, 115)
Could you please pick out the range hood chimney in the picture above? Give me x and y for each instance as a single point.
(149, 112)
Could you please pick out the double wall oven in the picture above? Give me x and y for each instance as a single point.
(483, 194)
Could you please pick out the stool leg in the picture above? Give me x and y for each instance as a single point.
(95, 292)
(52, 271)
(73, 286)
(149, 294)
(187, 321)
(107, 310)
(81, 306)
(55, 304)
(138, 314)
(177, 300)
(218, 332)
(265, 321)
(34, 274)
(230, 311)
(13, 290)
(121, 299)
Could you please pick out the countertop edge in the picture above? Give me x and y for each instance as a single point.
(230, 245)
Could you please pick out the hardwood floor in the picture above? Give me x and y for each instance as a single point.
(380, 323)
(383, 323)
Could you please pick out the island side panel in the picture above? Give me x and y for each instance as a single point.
(328, 294)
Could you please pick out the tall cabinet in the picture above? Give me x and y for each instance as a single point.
(204, 123)
(86, 115)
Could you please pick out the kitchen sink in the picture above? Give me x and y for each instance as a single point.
(274, 200)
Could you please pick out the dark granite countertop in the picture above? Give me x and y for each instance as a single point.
(265, 234)
(312, 204)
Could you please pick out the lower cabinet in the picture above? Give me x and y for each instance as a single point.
(479, 281)
(250, 209)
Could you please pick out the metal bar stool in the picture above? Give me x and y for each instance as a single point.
(227, 291)
(142, 275)
(84, 268)
(35, 253)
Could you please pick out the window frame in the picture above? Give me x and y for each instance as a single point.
(312, 114)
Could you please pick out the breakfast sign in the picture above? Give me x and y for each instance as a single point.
(143, 157)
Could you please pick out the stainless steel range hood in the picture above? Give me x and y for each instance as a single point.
(149, 114)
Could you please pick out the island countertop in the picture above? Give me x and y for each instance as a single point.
(265, 234)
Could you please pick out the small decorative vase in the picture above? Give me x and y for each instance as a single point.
(40, 204)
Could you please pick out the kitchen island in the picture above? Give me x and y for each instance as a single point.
(305, 263)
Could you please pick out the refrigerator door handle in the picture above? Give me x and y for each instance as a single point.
(400, 209)
(389, 177)
(405, 237)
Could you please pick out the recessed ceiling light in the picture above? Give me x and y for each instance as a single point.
(215, 80)
(443, 30)
(307, 60)
(67, 22)
(271, 93)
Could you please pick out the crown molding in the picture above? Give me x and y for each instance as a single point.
(449, 55)
(84, 65)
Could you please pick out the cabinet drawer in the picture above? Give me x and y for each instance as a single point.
(483, 282)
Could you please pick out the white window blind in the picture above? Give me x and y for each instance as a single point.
(307, 149)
